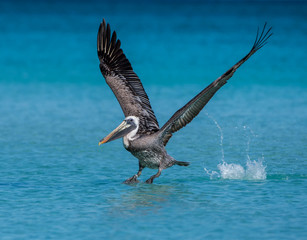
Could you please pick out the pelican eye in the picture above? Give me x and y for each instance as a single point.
(129, 120)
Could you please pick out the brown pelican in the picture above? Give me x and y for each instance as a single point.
(140, 130)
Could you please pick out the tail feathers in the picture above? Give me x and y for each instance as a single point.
(181, 163)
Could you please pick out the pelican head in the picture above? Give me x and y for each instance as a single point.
(128, 127)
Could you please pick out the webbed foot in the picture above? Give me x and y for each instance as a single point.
(133, 179)
(150, 180)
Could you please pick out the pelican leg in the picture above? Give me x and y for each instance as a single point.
(150, 180)
(134, 178)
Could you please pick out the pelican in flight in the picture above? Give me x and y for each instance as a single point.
(140, 130)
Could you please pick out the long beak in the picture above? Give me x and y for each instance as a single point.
(118, 132)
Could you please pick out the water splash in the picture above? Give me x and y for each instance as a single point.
(221, 135)
(254, 170)
(213, 174)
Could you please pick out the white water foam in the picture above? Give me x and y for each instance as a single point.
(254, 170)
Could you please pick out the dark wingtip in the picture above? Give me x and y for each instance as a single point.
(261, 39)
(100, 36)
(109, 51)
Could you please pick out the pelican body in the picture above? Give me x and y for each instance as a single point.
(140, 130)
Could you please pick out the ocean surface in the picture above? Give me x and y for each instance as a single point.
(247, 148)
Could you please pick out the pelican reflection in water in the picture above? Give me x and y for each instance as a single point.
(140, 130)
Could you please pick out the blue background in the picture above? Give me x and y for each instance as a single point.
(56, 183)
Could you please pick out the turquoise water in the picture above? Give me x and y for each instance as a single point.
(247, 148)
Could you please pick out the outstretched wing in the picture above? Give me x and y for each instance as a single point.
(125, 84)
(185, 115)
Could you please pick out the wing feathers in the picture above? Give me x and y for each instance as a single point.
(125, 84)
(131, 95)
(186, 114)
